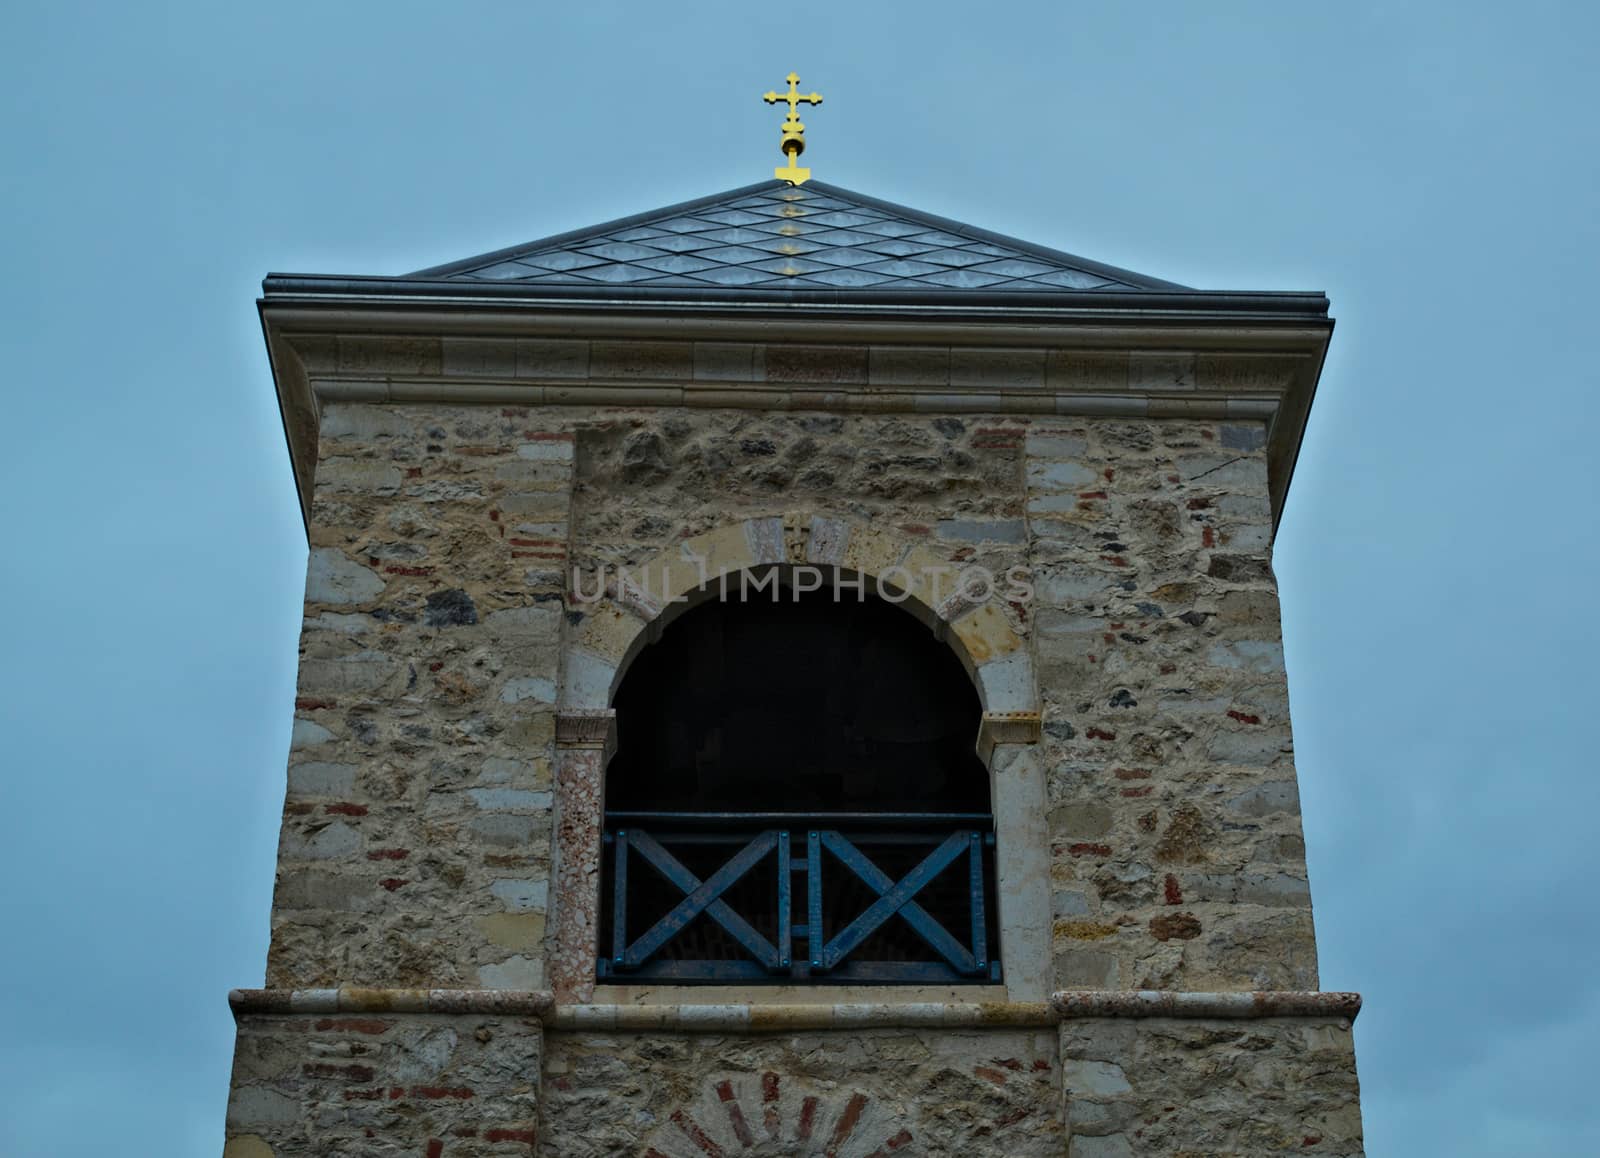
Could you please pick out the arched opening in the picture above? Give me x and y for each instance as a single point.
(796, 795)
(797, 704)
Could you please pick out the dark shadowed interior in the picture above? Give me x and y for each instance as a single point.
(797, 705)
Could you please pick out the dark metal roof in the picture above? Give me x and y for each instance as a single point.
(776, 245)
(777, 236)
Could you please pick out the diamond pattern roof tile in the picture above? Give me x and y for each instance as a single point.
(776, 236)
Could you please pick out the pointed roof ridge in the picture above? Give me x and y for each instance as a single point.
(755, 239)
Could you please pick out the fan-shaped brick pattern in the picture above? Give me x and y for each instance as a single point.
(739, 1115)
(885, 1093)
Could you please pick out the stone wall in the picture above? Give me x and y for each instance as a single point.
(417, 826)
(1169, 1088)
(416, 840)
(442, 638)
(418, 1085)
(647, 480)
(848, 1095)
(416, 837)
(1177, 856)
(471, 1074)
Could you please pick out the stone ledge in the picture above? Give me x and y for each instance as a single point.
(1071, 1005)
(355, 999)
(733, 1018)
(1079, 1004)
(586, 728)
(1007, 728)
(850, 398)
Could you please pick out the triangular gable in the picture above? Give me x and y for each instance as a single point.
(774, 236)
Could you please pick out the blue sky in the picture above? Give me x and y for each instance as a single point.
(1433, 167)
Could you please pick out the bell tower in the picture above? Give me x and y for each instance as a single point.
(785, 673)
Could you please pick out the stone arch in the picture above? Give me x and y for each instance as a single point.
(621, 620)
(638, 602)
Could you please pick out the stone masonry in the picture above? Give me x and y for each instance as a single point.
(384, 1084)
(416, 845)
(430, 989)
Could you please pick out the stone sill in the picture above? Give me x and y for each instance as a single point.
(1068, 1005)
(798, 996)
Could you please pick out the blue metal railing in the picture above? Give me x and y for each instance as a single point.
(887, 898)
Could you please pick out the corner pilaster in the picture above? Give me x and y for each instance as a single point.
(585, 740)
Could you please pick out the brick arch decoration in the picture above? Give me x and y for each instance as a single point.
(761, 1115)
(637, 604)
(914, 1102)
(620, 620)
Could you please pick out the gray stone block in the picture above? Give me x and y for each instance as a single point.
(333, 577)
(336, 781)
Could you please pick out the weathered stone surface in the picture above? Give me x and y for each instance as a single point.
(363, 671)
(246, 1146)
(449, 608)
(644, 459)
(307, 734)
(330, 892)
(422, 771)
(1165, 715)
(359, 476)
(552, 358)
(985, 531)
(505, 831)
(389, 1083)
(443, 626)
(1243, 437)
(256, 1106)
(535, 688)
(336, 841)
(515, 972)
(1175, 1088)
(519, 931)
(510, 800)
(881, 1092)
(525, 625)
(322, 779)
(332, 577)
(522, 895)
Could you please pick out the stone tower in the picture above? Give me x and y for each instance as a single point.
(974, 830)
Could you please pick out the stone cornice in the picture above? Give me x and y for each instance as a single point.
(1069, 1005)
(1015, 361)
(1073, 1005)
(1006, 728)
(1007, 326)
(1168, 300)
(360, 999)
(587, 728)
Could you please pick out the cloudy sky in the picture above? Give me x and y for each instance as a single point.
(1433, 167)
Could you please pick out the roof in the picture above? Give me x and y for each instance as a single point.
(776, 245)
(774, 235)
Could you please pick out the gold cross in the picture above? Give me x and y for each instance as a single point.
(794, 133)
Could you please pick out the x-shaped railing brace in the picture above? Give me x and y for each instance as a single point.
(702, 897)
(894, 897)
